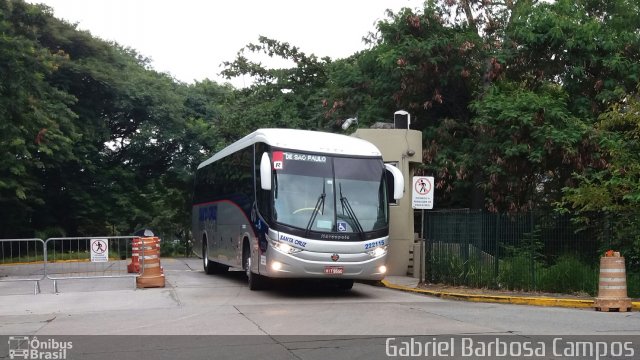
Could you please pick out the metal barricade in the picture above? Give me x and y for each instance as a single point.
(23, 260)
(88, 258)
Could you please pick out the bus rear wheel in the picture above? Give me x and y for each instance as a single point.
(211, 267)
(206, 264)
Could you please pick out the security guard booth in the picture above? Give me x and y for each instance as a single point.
(402, 148)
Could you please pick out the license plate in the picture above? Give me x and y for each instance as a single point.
(333, 270)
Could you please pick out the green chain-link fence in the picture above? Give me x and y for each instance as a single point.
(534, 251)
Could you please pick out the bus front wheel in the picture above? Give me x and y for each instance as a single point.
(255, 281)
(344, 284)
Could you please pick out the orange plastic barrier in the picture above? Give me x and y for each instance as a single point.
(152, 272)
(612, 285)
(134, 267)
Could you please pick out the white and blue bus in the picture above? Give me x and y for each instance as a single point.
(284, 203)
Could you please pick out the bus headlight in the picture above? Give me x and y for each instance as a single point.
(377, 252)
(285, 248)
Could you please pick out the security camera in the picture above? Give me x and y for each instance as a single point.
(348, 122)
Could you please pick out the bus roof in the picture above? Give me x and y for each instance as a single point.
(301, 140)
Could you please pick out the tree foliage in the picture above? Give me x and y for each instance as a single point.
(93, 136)
(37, 130)
(613, 190)
(522, 104)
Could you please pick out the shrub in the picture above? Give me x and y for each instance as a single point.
(569, 275)
(518, 272)
(172, 249)
(633, 284)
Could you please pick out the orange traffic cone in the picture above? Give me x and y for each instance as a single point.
(152, 273)
(134, 267)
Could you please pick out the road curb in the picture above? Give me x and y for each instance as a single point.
(502, 299)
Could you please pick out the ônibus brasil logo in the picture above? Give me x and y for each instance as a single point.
(24, 347)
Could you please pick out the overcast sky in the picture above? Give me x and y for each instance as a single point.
(191, 38)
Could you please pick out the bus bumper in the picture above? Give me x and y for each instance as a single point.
(276, 264)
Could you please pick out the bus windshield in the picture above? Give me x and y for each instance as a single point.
(330, 194)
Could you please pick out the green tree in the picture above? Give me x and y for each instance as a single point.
(589, 47)
(37, 128)
(505, 93)
(614, 189)
(529, 142)
(130, 117)
(509, 97)
(94, 135)
(289, 97)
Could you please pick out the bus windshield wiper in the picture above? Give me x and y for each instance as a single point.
(346, 206)
(316, 209)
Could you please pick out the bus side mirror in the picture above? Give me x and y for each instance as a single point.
(398, 181)
(265, 172)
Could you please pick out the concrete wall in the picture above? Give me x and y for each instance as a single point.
(396, 145)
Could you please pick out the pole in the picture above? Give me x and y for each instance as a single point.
(423, 262)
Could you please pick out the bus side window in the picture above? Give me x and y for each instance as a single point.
(205, 185)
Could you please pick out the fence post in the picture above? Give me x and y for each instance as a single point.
(432, 251)
(532, 249)
(427, 246)
(496, 264)
(423, 257)
(465, 277)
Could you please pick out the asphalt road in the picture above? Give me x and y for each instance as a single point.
(291, 320)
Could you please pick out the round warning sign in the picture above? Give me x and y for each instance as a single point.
(422, 185)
